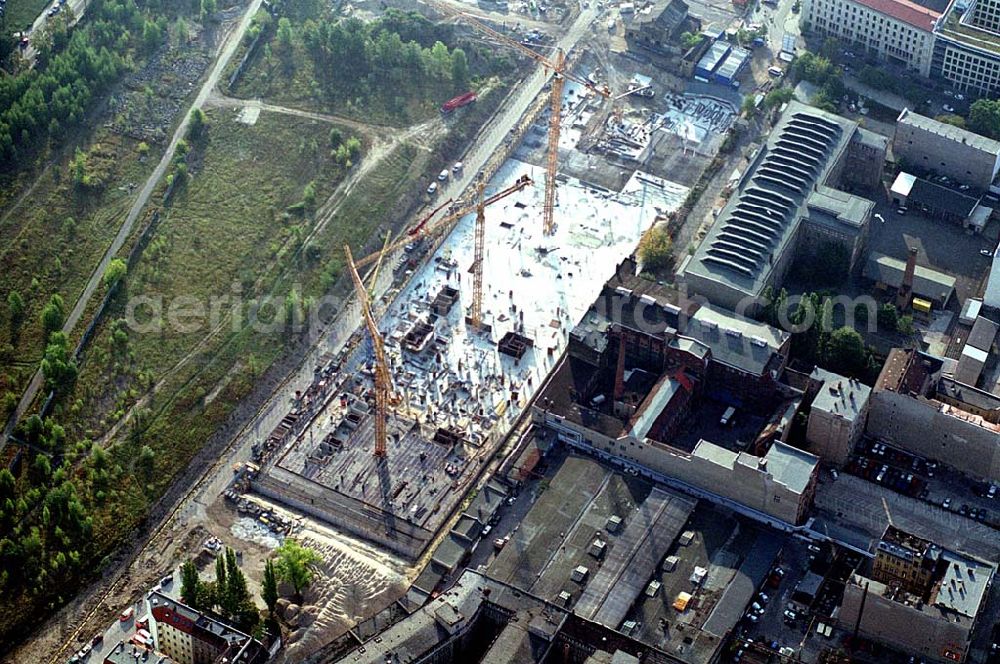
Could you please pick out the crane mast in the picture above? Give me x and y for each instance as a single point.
(425, 228)
(560, 76)
(476, 312)
(552, 155)
(383, 379)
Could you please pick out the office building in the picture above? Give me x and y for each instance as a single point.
(924, 145)
(900, 31)
(837, 416)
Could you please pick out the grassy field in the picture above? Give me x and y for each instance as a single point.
(221, 236)
(56, 236)
(193, 400)
(21, 14)
(267, 78)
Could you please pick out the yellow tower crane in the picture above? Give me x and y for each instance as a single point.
(384, 394)
(424, 228)
(558, 67)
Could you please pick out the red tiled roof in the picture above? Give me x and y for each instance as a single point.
(903, 10)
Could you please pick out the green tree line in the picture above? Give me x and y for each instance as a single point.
(400, 53)
(74, 67)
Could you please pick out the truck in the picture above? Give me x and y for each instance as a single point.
(457, 102)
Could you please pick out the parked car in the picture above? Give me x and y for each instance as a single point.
(432, 188)
(127, 614)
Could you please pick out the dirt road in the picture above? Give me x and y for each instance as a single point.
(126, 579)
(225, 55)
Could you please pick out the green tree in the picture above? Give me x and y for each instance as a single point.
(829, 48)
(196, 127)
(190, 584)
(220, 579)
(58, 367)
(268, 586)
(151, 35)
(353, 146)
(459, 70)
(53, 316)
(952, 119)
(984, 117)
(8, 405)
(294, 564)
(336, 138)
(181, 32)
(15, 308)
(689, 40)
(235, 599)
(887, 318)
(146, 461)
(78, 170)
(846, 351)
(309, 194)
(233, 587)
(208, 8)
(283, 39)
(656, 248)
(115, 272)
(778, 96)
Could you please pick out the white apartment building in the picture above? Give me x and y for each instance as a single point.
(896, 30)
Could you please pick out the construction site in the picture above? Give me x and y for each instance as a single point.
(459, 387)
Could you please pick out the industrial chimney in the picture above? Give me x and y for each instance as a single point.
(905, 292)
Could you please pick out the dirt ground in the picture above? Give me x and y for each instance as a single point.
(353, 581)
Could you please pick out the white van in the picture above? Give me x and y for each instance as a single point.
(775, 71)
(727, 416)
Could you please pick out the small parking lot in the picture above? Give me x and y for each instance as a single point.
(856, 511)
(776, 631)
(930, 482)
(942, 245)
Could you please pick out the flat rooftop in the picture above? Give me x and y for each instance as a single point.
(745, 344)
(721, 544)
(927, 282)
(556, 536)
(844, 397)
(963, 587)
(957, 26)
(626, 570)
(838, 210)
(948, 131)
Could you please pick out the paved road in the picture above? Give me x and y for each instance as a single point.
(349, 319)
(78, 7)
(225, 55)
(852, 509)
